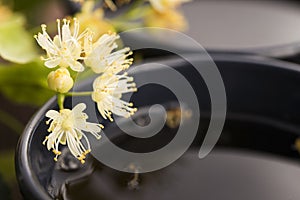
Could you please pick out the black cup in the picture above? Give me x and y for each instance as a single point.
(259, 91)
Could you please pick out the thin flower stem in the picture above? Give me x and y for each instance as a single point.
(60, 100)
(11, 122)
(88, 93)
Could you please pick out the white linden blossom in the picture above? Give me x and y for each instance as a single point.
(101, 58)
(108, 90)
(164, 5)
(65, 49)
(66, 128)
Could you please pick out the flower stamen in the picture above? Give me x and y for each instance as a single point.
(68, 127)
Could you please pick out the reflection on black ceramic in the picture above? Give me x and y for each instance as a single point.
(228, 172)
(254, 158)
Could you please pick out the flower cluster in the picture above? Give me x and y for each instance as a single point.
(140, 13)
(166, 15)
(72, 49)
(92, 17)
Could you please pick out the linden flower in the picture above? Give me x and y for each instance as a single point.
(108, 90)
(165, 5)
(93, 19)
(171, 19)
(101, 58)
(66, 128)
(65, 49)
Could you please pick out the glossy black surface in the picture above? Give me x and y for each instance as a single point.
(258, 90)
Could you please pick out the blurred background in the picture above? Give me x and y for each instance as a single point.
(265, 27)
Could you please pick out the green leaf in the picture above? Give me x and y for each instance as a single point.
(7, 165)
(25, 83)
(11, 122)
(16, 44)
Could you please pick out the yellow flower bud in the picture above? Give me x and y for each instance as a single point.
(60, 80)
